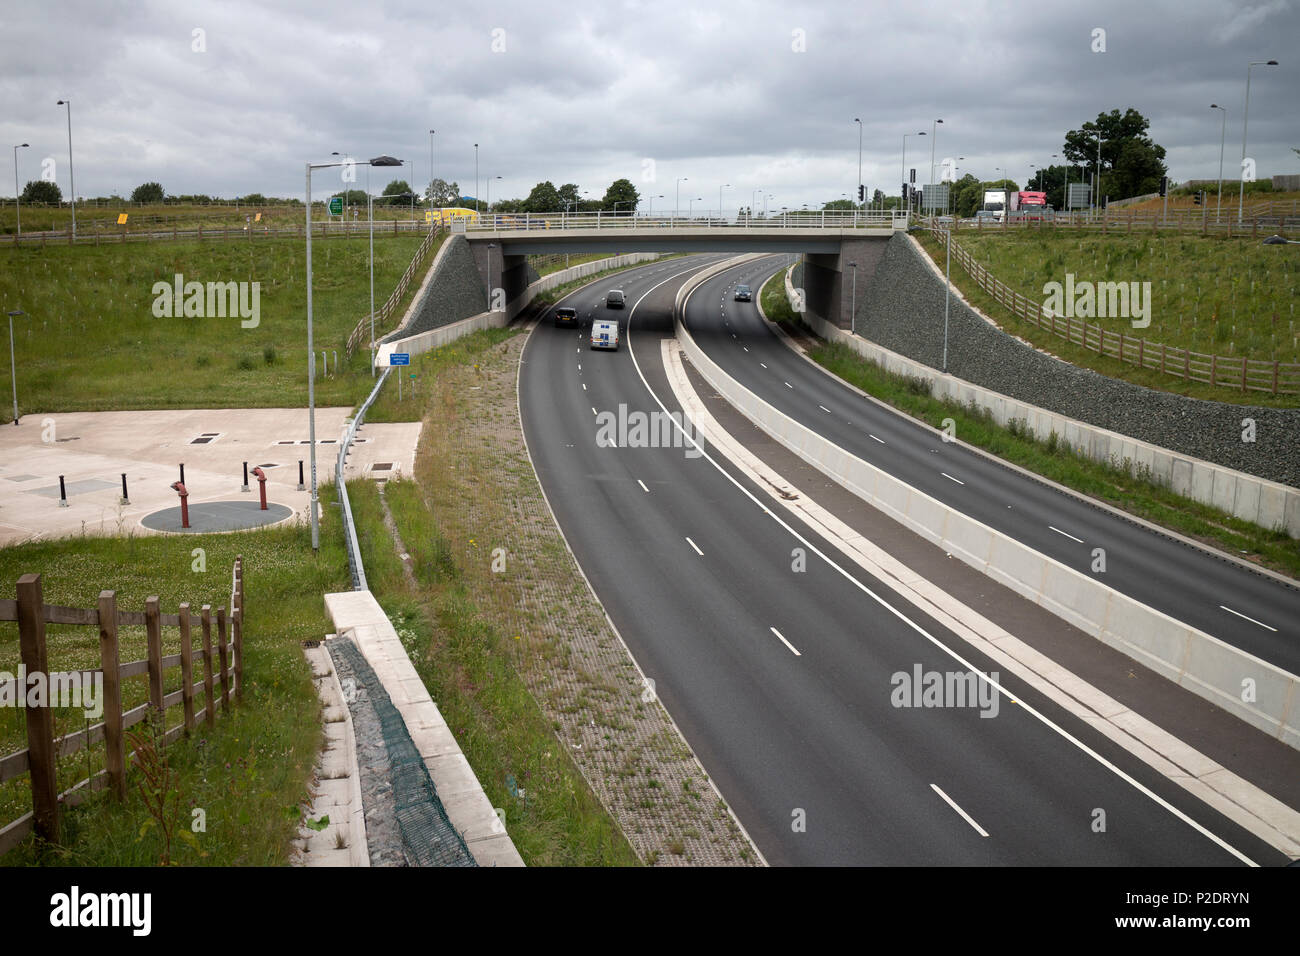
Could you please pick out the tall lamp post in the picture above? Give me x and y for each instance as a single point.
(489, 198)
(311, 347)
(476, 177)
(861, 197)
(13, 367)
(1245, 120)
(651, 200)
(18, 199)
(72, 179)
(370, 214)
(1223, 132)
(720, 189)
(677, 202)
(431, 169)
(934, 137)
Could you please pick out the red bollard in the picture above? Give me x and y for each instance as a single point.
(185, 505)
(260, 475)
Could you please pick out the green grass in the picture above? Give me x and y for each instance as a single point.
(776, 305)
(467, 665)
(1230, 297)
(89, 340)
(555, 262)
(1111, 483)
(249, 774)
(426, 367)
(102, 219)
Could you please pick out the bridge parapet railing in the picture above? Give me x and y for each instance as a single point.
(828, 219)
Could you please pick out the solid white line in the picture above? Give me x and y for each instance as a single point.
(788, 385)
(643, 487)
(695, 546)
(951, 478)
(793, 650)
(1251, 619)
(964, 815)
(1070, 536)
(824, 408)
(881, 440)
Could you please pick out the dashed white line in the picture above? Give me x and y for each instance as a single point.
(584, 386)
(745, 347)
(643, 487)
(695, 546)
(1067, 534)
(964, 815)
(793, 649)
(825, 409)
(593, 410)
(764, 364)
(1251, 619)
(873, 437)
(951, 478)
(788, 385)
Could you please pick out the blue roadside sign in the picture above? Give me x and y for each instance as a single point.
(399, 358)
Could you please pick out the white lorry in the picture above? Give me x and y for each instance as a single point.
(1000, 202)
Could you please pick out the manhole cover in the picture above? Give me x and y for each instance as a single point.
(217, 516)
(382, 466)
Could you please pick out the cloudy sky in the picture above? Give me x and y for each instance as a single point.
(234, 97)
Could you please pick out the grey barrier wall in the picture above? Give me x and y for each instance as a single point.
(451, 291)
(1193, 659)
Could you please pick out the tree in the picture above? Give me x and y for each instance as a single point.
(398, 187)
(622, 192)
(568, 194)
(544, 198)
(252, 199)
(42, 190)
(967, 196)
(508, 205)
(147, 193)
(847, 205)
(1131, 164)
(442, 193)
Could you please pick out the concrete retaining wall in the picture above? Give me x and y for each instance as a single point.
(1195, 660)
(1266, 503)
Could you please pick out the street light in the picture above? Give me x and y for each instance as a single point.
(311, 347)
(859, 193)
(1245, 119)
(753, 200)
(690, 206)
(720, 189)
(1223, 132)
(765, 199)
(476, 178)
(18, 199)
(934, 136)
(72, 179)
(905, 135)
(431, 169)
(489, 196)
(13, 367)
(651, 211)
(370, 213)
(677, 202)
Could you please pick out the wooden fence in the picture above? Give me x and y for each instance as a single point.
(319, 230)
(1242, 373)
(220, 680)
(1257, 226)
(362, 329)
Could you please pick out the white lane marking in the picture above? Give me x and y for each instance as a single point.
(695, 546)
(579, 365)
(584, 386)
(593, 410)
(745, 347)
(871, 436)
(793, 650)
(788, 385)
(1067, 534)
(951, 478)
(1251, 619)
(964, 815)
(764, 364)
(939, 644)
(824, 408)
(643, 487)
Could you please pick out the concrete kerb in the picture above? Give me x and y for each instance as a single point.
(1214, 670)
(1271, 505)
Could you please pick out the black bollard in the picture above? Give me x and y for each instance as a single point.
(182, 473)
(125, 499)
(63, 494)
(245, 488)
(302, 485)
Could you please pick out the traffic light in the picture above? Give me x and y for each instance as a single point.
(862, 193)
(1197, 199)
(1164, 186)
(904, 193)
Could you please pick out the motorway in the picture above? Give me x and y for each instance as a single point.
(1240, 606)
(781, 680)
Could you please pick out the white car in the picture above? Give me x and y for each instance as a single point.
(604, 334)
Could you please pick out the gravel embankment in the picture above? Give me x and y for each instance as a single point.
(902, 310)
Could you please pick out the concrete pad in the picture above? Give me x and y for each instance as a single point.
(93, 449)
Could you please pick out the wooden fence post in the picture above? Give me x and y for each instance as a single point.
(40, 719)
(224, 654)
(1214, 368)
(205, 619)
(109, 662)
(187, 668)
(153, 635)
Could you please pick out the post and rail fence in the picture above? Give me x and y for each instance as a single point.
(223, 677)
(361, 330)
(1277, 378)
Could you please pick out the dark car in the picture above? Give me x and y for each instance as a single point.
(566, 316)
(744, 294)
(614, 299)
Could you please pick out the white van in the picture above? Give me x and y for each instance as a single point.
(604, 334)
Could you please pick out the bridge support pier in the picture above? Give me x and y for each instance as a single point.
(828, 280)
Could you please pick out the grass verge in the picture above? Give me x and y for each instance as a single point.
(250, 773)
